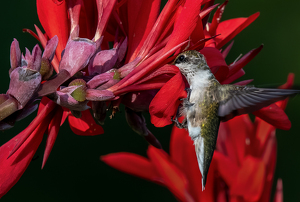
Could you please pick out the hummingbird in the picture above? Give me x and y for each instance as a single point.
(208, 102)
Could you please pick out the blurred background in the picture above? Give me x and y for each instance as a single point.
(74, 172)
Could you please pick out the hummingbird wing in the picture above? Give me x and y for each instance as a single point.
(237, 100)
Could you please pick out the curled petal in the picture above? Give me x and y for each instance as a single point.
(164, 105)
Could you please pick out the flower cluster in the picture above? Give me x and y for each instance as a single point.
(110, 52)
(242, 168)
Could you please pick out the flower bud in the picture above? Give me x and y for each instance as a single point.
(138, 124)
(80, 93)
(23, 84)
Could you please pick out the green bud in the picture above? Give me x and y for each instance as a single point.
(80, 93)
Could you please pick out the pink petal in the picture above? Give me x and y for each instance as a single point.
(100, 79)
(77, 55)
(23, 84)
(164, 105)
(132, 164)
(99, 95)
(15, 55)
(85, 126)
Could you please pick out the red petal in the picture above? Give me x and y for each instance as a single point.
(217, 18)
(198, 33)
(279, 192)
(227, 143)
(141, 16)
(105, 8)
(185, 23)
(290, 81)
(164, 105)
(234, 77)
(216, 62)
(226, 167)
(230, 28)
(227, 49)
(269, 156)
(12, 168)
(243, 83)
(275, 116)
(85, 125)
(132, 164)
(173, 177)
(88, 19)
(41, 117)
(182, 152)
(250, 180)
(54, 19)
(235, 67)
(240, 128)
(52, 134)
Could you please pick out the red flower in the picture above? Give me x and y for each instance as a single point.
(88, 73)
(242, 168)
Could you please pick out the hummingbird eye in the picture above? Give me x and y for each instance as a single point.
(180, 59)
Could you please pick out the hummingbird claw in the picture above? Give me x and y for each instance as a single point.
(188, 90)
(178, 124)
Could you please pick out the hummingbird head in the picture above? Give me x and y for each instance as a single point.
(191, 62)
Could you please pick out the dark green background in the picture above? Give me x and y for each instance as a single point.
(75, 173)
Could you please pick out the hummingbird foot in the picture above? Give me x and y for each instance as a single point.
(178, 124)
(188, 90)
(186, 101)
